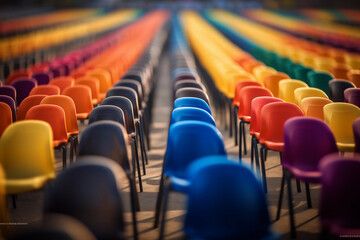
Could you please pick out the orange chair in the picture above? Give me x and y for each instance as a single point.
(340, 71)
(55, 117)
(313, 106)
(354, 77)
(104, 78)
(271, 82)
(45, 90)
(82, 98)
(6, 117)
(93, 84)
(247, 94)
(304, 92)
(273, 118)
(72, 128)
(26, 104)
(62, 82)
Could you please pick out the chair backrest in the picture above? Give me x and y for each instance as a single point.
(339, 204)
(302, 138)
(188, 83)
(28, 103)
(11, 103)
(62, 82)
(126, 106)
(23, 88)
(271, 82)
(301, 72)
(313, 106)
(192, 102)
(134, 85)
(191, 113)
(287, 88)
(225, 201)
(17, 74)
(356, 130)
(8, 91)
(45, 90)
(93, 84)
(6, 117)
(247, 94)
(127, 92)
(352, 95)
(68, 105)
(82, 98)
(90, 192)
(107, 112)
(103, 77)
(192, 92)
(354, 77)
(42, 78)
(26, 150)
(304, 92)
(241, 84)
(320, 80)
(340, 117)
(189, 140)
(337, 88)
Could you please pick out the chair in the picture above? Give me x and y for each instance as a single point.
(304, 92)
(192, 92)
(356, 130)
(104, 79)
(42, 78)
(93, 84)
(191, 113)
(192, 102)
(8, 91)
(272, 120)
(301, 72)
(313, 106)
(23, 88)
(32, 167)
(107, 112)
(82, 98)
(188, 83)
(55, 117)
(11, 103)
(6, 117)
(17, 74)
(354, 77)
(320, 80)
(337, 88)
(287, 88)
(90, 192)
(339, 204)
(301, 156)
(271, 82)
(62, 82)
(352, 95)
(26, 104)
(187, 141)
(233, 215)
(45, 90)
(340, 117)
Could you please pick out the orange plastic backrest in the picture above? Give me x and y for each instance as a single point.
(313, 106)
(82, 98)
(271, 82)
(241, 84)
(17, 74)
(93, 84)
(104, 78)
(6, 117)
(45, 90)
(62, 82)
(26, 104)
(354, 76)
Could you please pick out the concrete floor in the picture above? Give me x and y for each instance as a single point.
(29, 205)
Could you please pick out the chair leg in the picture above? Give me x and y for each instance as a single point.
(252, 152)
(263, 171)
(134, 206)
(235, 125)
(244, 137)
(280, 197)
(256, 151)
(13, 198)
(298, 186)
(240, 140)
(167, 190)
(230, 117)
(147, 127)
(64, 155)
(140, 142)
(72, 147)
(142, 138)
(159, 200)
(290, 200)
(308, 196)
(136, 160)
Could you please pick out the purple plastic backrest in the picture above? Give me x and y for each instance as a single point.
(352, 95)
(42, 78)
(8, 91)
(23, 87)
(356, 129)
(11, 102)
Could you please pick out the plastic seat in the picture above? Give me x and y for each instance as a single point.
(271, 82)
(8, 91)
(191, 113)
(301, 156)
(313, 106)
(340, 117)
(287, 88)
(45, 90)
(93, 84)
(352, 95)
(32, 167)
(6, 117)
(192, 102)
(229, 214)
(337, 88)
(11, 103)
(272, 120)
(55, 116)
(82, 98)
(356, 130)
(301, 72)
(320, 80)
(354, 77)
(42, 78)
(339, 204)
(62, 82)
(187, 141)
(28, 103)
(304, 92)
(23, 88)
(90, 192)
(108, 112)
(192, 92)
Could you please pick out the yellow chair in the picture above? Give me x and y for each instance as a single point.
(27, 156)
(313, 106)
(340, 117)
(304, 92)
(260, 72)
(287, 88)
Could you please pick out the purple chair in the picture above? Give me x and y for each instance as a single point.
(339, 198)
(306, 141)
(11, 102)
(356, 129)
(42, 78)
(352, 95)
(23, 87)
(8, 91)
(337, 88)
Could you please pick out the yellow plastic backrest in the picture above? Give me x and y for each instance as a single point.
(26, 149)
(260, 72)
(304, 92)
(287, 88)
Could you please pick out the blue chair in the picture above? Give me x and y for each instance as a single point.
(191, 113)
(192, 102)
(225, 201)
(107, 112)
(187, 141)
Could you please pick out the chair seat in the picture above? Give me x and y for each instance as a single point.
(276, 146)
(236, 103)
(179, 184)
(95, 101)
(57, 143)
(306, 176)
(257, 134)
(82, 115)
(346, 147)
(15, 186)
(245, 118)
(75, 132)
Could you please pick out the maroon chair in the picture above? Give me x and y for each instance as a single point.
(352, 95)
(8, 91)
(42, 78)
(23, 88)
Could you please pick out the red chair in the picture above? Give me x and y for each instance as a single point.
(17, 75)
(28, 103)
(6, 117)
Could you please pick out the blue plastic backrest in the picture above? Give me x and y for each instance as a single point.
(191, 113)
(192, 102)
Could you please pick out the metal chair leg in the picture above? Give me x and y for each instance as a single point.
(64, 155)
(139, 140)
(236, 125)
(159, 201)
(244, 136)
(230, 117)
(291, 208)
(240, 140)
(280, 197)
(136, 160)
(308, 196)
(167, 190)
(262, 156)
(134, 206)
